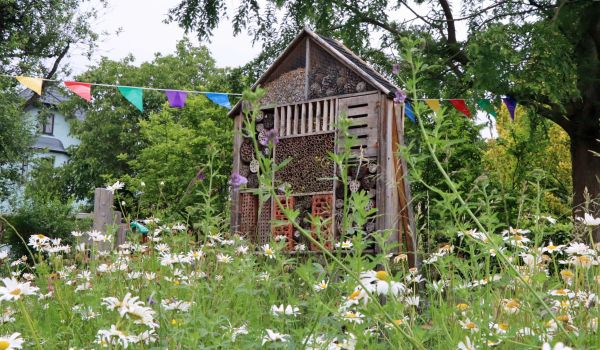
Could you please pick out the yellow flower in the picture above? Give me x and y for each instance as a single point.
(462, 306)
(511, 306)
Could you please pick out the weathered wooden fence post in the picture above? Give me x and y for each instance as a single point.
(106, 218)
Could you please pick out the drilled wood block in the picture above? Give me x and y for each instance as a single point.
(248, 212)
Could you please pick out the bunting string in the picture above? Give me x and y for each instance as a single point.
(460, 104)
(133, 94)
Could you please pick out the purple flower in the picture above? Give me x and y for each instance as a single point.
(400, 96)
(271, 136)
(237, 180)
(200, 176)
(395, 69)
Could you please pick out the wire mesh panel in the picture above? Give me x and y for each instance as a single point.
(248, 209)
(284, 227)
(322, 206)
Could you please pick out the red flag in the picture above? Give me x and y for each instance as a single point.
(461, 106)
(84, 90)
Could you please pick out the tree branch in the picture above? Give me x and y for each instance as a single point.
(50, 74)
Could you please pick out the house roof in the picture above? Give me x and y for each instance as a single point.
(51, 96)
(50, 143)
(339, 51)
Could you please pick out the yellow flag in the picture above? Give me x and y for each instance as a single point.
(34, 84)
(433, 104)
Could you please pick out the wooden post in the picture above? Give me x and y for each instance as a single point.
(235, 191)
(103, 213)
(310, 117)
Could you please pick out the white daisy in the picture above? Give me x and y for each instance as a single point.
(116, 186)
(273, 336)
(13, 341)
(14, 290)
(321, 286)
(287, 310)
(268, 251)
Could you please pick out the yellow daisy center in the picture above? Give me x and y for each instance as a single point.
(560, 292)
(4, 344)
(503, 326)
(15, 292)
(268, 251)
(323, 285)
(512, 304)
(382, 275)
(563, 318)
(470, 325)
(354, 295)
(551, 247)
(398, 322)
(462, 306)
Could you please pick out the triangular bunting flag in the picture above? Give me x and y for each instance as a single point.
(461, 106)
(176, 98)
(220, 99)
(34, 84)
(134, 95)
(511, 105)
(487, 107)
(433, 104)
(409, 112)
(84, 90)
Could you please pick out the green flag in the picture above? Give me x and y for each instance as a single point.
(487, 107)
(134, 95)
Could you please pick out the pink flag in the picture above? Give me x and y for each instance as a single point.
(84, 90)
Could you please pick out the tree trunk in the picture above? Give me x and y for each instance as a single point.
(586, 177)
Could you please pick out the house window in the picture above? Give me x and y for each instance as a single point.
(47, 125)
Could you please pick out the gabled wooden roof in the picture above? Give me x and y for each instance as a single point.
(337, 50)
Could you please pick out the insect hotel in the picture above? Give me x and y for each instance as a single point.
(309, 86)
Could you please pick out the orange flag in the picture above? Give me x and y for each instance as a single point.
(433, 104)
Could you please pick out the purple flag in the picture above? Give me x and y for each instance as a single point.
(511, 105)
(176, 98)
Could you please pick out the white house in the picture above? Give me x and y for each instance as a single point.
(52, 134)
(53, 137)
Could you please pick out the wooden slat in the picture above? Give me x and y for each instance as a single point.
(288, 123)
(331, 114)
(310, 118)
(235, 194)
(318, 117)
(295, 120)
(325, 115)
(276, 121)
(364, 110)
(281, 121)
(303, 119)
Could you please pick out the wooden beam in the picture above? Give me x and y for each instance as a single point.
(235, 194)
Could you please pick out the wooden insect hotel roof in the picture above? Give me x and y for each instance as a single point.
(292, 58)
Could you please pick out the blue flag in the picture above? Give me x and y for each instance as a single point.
(409, 112)
(220, 99)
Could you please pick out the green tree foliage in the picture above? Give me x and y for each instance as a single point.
(32, 34)
(530, 151)
(15, 139)
(110, 134)
(177, 153)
